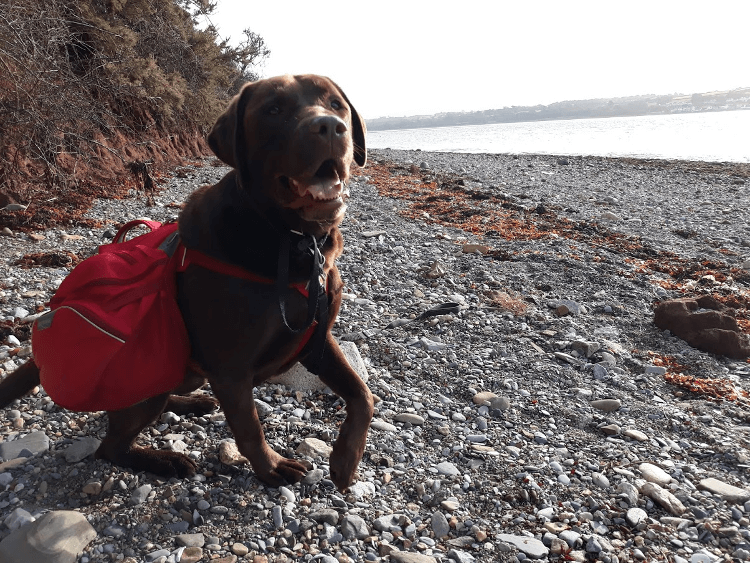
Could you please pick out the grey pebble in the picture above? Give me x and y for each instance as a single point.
(277, 515)
(190, 540)
(447, 468)
(81, 449)
(439, 525)
(140, 494)
(354, 527)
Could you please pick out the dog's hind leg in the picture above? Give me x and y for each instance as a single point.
(182, 403)
(119, 448)
(18, 383)
(191, 404)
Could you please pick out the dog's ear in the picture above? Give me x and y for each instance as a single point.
(358, 133)
(221, 139)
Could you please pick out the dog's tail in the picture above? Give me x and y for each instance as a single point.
(18, 383)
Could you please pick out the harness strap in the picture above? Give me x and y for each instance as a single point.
(282, 282)
(182, 257)
(188, 256)
(315, 324)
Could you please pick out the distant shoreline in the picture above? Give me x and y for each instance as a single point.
(425, 126)
(704, 136)
(633, 106)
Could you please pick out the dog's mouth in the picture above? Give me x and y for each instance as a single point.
(323, 192)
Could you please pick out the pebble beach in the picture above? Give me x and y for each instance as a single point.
(527, 406)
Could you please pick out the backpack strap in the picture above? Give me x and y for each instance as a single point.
(130, 225)
(187, 256)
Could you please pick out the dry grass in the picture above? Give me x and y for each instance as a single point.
(91, 89)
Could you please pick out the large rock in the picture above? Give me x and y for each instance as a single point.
(663, 497)
(28, 446)
(411, 557)
(725, 490)
(229, 454)
(654, 474)
(606, 405)
(532, 548)
(56, 537)
(298, 377)
(439, 524)
(313, 447)
(353, 526)
(81, 449)
(704, 323)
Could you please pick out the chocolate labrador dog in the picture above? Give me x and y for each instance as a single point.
(290, 141)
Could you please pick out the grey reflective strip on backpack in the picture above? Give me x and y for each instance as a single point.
(45, 321)
(170, 244)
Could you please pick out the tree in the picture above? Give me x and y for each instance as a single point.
(249, 54)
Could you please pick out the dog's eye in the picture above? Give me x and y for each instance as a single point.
(274, 110)
(335, 104)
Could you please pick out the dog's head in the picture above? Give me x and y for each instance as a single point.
(292, 140)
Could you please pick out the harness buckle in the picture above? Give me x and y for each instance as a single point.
(322, 281)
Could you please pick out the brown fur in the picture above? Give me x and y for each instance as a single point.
(301, 128)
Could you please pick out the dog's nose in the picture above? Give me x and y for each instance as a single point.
(329, 126)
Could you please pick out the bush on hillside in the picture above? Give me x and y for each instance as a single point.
(89, 86)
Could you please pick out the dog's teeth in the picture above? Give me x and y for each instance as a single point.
(320, 189)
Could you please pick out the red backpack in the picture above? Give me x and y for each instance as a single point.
(115, 335)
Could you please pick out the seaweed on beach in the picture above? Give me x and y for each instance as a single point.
(444, 199)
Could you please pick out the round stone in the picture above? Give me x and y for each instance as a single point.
(411, 418)
(635, 516)
(500, 403)
(483, 396)
(600, 480)
(606, 405)
(240, 550)
(654, 474)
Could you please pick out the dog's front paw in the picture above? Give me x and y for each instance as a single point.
(343, 465)
(278, 471)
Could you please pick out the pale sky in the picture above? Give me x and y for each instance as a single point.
(396, 58)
